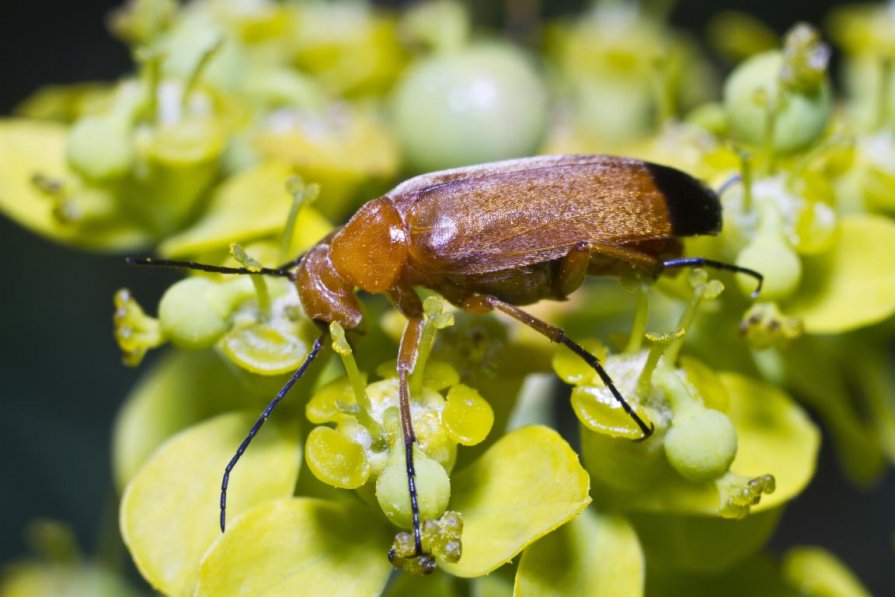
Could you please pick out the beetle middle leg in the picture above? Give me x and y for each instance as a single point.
(407, 356)
(485, 303)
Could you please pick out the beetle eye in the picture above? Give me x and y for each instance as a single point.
(370, 251)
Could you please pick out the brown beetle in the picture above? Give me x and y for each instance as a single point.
(494, 236)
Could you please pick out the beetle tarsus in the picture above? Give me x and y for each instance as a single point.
(729, 267)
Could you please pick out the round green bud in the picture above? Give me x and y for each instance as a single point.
(800, 117)
(701, 444)
(100, 147)
(481, 103)
(433, 487)
(769, 254)
(188, 315)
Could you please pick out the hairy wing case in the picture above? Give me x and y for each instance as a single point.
(511, 214)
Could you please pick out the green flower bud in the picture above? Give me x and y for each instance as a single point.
(433, 488)
(101, 148)
(188, 314)
(771, 255)
(479, 104)
(799, 118)
(701, 444)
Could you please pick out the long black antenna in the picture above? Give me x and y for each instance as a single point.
(283, 271)
(315, 349)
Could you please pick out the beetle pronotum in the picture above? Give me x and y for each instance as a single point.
(494, 236)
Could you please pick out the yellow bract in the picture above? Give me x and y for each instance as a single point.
(298, 546)
(252, 204)
(29, 148)
(169, 514)
(527, 484)
(852, 285)
(595, 554)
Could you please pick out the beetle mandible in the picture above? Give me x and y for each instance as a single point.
(494, 236)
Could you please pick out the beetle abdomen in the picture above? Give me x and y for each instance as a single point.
(694, 208)
(513, 214)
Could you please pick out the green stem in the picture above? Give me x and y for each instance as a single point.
(427, 341)
(638, 327)
(196, 75)
(883, 93)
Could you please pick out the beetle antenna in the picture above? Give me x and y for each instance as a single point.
(315, 350)
(283, 271)
(727, 184)
(729, 267)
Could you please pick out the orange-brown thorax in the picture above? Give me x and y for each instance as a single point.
(369, 252)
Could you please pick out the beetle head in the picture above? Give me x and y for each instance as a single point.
(325, 295)
(371, 249)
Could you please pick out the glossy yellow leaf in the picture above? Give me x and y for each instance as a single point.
(29, 148)
(298, 546)
(524, 486)
(181, 389)
(595, 554)
(250, 205)
(852, 285)
(169, 511)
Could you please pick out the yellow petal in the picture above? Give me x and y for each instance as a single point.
(169, 511)
(298, 546)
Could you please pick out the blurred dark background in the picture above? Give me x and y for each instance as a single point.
(61, 380)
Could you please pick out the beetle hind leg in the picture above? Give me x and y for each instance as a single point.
(485, 303)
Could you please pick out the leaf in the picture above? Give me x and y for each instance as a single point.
(298, 546)
(852, 285)
(252, 204)
(169, 513)
(526, 485)
(28, 148)
(594, 554)
(181, 389)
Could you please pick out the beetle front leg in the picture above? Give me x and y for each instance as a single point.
(407, 356)
(485, 303)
